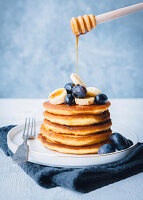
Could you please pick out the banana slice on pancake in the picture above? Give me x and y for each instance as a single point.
(84, 101)
(58, 96)
(76, 79)
(92, 91)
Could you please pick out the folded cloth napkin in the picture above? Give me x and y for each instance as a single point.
(80, 179)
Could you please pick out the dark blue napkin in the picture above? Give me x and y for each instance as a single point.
(80, 179)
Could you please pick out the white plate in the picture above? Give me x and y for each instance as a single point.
(41, 155)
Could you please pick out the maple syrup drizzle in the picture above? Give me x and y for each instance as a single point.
(82, 25)
(77, 37)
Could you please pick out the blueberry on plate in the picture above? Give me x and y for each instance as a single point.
(130, 143)
(79, 91)
(119, 141)
(101, 99)
(69, 87)
(69, 100)
(106, 148)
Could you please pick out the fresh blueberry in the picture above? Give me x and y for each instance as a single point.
(106, 148)
(79, 91)
(119, 141)
(101, 99)
(69, 99)
(130, 143)
(69, 87)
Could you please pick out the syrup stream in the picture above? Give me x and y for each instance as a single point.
(77, 37)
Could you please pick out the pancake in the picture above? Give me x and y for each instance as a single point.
(77, 120)
(89, 149)
(74, 140)
(77, 130)
(64, 109)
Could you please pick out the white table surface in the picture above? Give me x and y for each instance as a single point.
(15, 184)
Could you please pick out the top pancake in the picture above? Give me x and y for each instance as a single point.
(64, 109)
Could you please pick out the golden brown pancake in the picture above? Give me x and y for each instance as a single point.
(77, 130)
(64, 109)
(77, 120)
(89, 149)
(75, 140)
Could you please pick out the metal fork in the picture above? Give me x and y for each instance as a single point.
(29, 132)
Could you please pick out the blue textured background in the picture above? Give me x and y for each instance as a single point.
(38, 49)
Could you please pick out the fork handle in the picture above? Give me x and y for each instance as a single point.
(21, 154)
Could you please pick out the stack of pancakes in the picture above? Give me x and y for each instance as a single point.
(75, 129)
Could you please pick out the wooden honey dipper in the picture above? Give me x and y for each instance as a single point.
(82, 25)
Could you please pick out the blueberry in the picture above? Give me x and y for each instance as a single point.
(130, 143)
(79, 91)
(69, 87)
(119, 141)
(69, 99)
(101, 99)
(106, 148)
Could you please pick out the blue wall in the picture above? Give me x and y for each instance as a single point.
(38, 49)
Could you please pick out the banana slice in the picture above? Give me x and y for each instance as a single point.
(76, 79)
(58, 96)
(92, 91)
(85, 101)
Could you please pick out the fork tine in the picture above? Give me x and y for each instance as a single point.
(34, 128)
(24, 128)
(31, 134)
(27, 134)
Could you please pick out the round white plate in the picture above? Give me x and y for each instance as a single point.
(41, 155)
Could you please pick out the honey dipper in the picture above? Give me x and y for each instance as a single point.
(81, 25)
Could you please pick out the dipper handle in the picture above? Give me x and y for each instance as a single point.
(105, 17)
